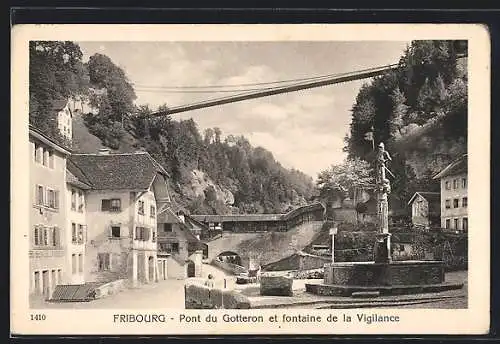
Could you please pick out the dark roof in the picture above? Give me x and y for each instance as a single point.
(456, 167)
(237, 218)
(73, 180)
(258, 217)
(431, 197)
(51, 141)
(131, 171)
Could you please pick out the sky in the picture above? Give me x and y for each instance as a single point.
(304, 130)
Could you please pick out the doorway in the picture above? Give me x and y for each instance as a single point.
(191, 269)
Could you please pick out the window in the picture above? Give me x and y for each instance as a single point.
(175, 247)
(81, 201)
(154, 235)
(38, 153)
(39, 195)
(447, 224)
(152, 211)
(80, 262)
(46, 236)
(167, 227)
(141, 208)
(111, 204)
(73, 199)
(455, 222)
(51, 159)
(455, 203)
(169, 247)
(142, 233)
(45, 157)
(455, 183)
(52, 199)
(37, 282)
(447, 185)
(447, 204)
(465, 224)
(115, 232)
(103, 260)
(116, 205)
(464, 183)
(74, 233)
(73, 263)
(81, 234)
(464, 202)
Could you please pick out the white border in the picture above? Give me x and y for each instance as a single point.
(474, 320)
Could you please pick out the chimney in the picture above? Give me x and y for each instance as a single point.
(104, 151)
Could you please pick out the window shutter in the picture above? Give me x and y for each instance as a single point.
(55, 234)
(36, 236)
(105, 205)
(56, 199)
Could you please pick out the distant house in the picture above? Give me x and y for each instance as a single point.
(179, 245)
(454, 201)
(121, 205)
(425, 209)
(66, 109)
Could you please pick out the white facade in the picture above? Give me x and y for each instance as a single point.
(454, 202)
(121, 237)
(77, 232)
(48, 230)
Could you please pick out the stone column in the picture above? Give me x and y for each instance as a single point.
(134, 268)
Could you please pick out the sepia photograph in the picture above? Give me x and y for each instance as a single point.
(248, 175)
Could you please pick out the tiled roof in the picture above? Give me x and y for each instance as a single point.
(456, 167)
(132, 171)
(73, 180)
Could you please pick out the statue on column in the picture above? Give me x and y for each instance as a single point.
(382, 244)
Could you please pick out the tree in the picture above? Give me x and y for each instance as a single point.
(399, 112)
(56, 73)
(352, 173)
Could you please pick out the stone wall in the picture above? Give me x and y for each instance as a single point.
(373, 274)
(201, 297)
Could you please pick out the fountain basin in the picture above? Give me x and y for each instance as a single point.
(393, 278)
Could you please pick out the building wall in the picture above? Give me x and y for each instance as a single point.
(47, 258)
(65, 123)
(76, 225)
(454, 215)
(130, 255)
(420, 211)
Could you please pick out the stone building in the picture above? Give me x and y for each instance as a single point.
(125, 191)
(48, 236)
(453, 179)
(178, 243)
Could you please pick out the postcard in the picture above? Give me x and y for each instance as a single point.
(250, 179)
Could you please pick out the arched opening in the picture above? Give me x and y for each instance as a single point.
(191, 269)
(229, 257)
(151, 266)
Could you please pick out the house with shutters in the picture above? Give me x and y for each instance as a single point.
(454, 200)
(48, 236)
(125, 191)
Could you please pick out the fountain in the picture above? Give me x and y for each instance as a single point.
(382, 276)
